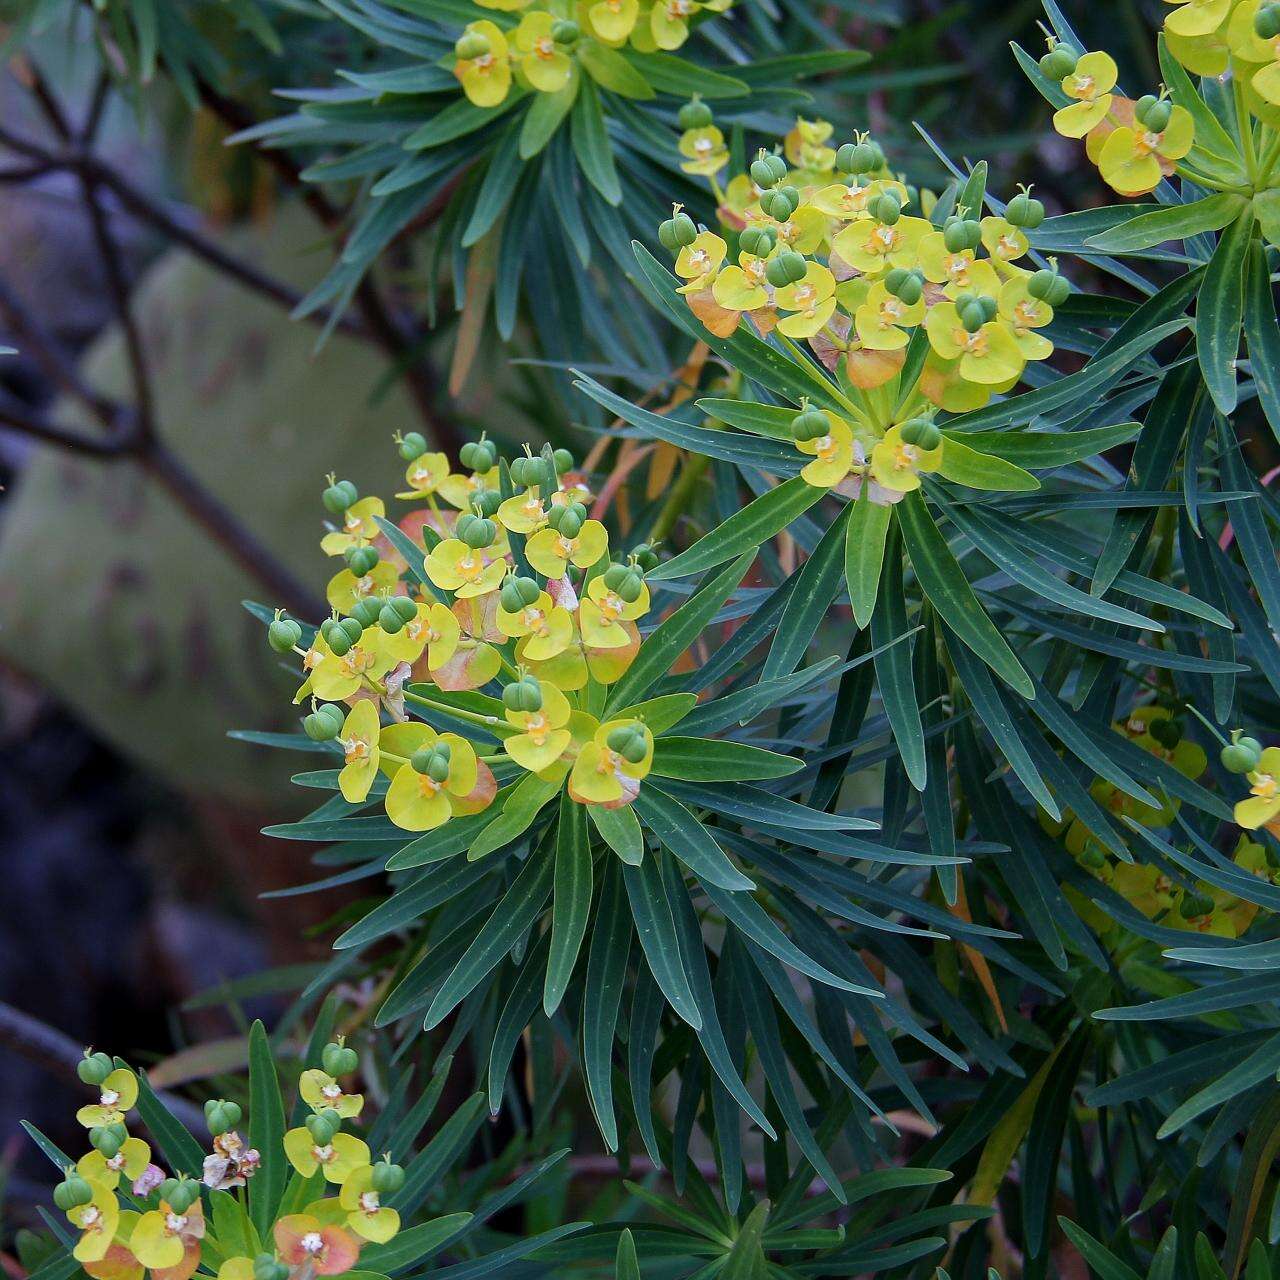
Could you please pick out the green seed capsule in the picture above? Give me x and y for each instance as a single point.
(973, 316)
(810, 424)
(338, 1059)
(685, 230)
(361, 560)
(1266, 22)
(319, 727)
(94, 1068)
(885, 208)
(1059, 62)
(334, 499)
(570, 524)
(108, 1139)
(694, 115)
(389, 620)
(480, 533)
(72, 1192)
(471, 45)
(563, 460)
(1242, 755)
(321, 1130)
(614, 575)
(758, 241)
(1167, 733)
(283, 634)
(405, 606)
(632, 586)
(645, 556)
(352, 628)
(923, 433)
(566, 33)
(524, 695)
(1156, 120)
(413, 446)
(1194, 905)
(1023, 211)
(387, 1178)
(366, 612)
(221, 1115)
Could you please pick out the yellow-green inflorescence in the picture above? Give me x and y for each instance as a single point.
(131, 1217)
(520, 590)
(827, 245)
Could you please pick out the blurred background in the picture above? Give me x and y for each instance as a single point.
(129, 819)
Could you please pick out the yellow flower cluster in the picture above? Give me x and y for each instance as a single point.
(1134, 143)
(1200, 907)
(509, 583)
(829, 246)
(160, 1226)
(539, 53)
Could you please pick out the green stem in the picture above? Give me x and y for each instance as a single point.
(488, 722)
(1244, 122)
(1211, 184)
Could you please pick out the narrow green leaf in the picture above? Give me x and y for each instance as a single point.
(571, 901)
(864, 554)
(620, 830)
(266, 1131)
(1174, 222)
(652, 915)
(1220, 312)
(1263, 335)
(591, 143)
(681, 833)
(712, 760)
(963, 465)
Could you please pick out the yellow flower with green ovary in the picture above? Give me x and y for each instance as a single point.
(812, 300)
(1263, 803)
(523, 513)
(407, 644)
(459, 655)
(832, 454)
(742, 288)
(1025, 314)
(163, 1240)
(117, 1096)
(461, 490)
(807, 145)
(358, 527)
(319, 1090)
(603, 612)
(704, 150)
(805, 230)
(466, 571)
(546, 67)
(989, 356)
(424, 475)
(883, 318)
(898, 465)
(547, 626)
(1090, 84)
(345, 590)
(1196, 17)
(338, 1159)
(485, 78)
(848, 201)
(1144, 887)
(669, 22)
(611, 21)
(367, 1216)
(1003, 241)
(129, 1162)
(543, 737)
(335, 678)
(422, 801)
(610, 767)
(551, 554)
(97, 1222)
(874, 247)
(359, 742)
(1131, 158)
(698, 262)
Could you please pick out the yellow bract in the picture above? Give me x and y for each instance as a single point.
(1090, 85)
(486, 80)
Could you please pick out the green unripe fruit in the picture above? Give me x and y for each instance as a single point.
(961, 234)
(387, 1178)
(351, 627)
(787, 268)
(1092, 856)
(471, 45)
(1166, 732)
(334, 499)
(684, 229)
(519, 472)
(1143, 105)
(629, 742)
(614, 575)
(645, 556)
(487, 502)
(349, 493)
(480, 533)
(694, 115)
(563, 460)
(1059, 62)
(167, 1188)
(923, 433)
(524, 694)
(1195, 904)
(339, 643)
(810, 424)
(94, 1068)
(338, 1059)
(283, 634)
(108, 1139)
(990, 307)
(905, 284)
(365, 612)
(321, 1130)
(1156, 120)
(1242, 755)
(667, 239)
(389, 620)
(780, 203)
(856, 157)
(886, 208)
(1049, 287)
(72, 1192)
(326, 628)
(361, 560)
(471, 455)
(405, 606)
(1024, 211)
(762, 173)
(1266, 22)
(758, 241)
(973, 316)
(570, 525)
(221, 1115)
(632, 586)
(183, 1196)
(324, 724)
(413, 446)
(566, 32)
